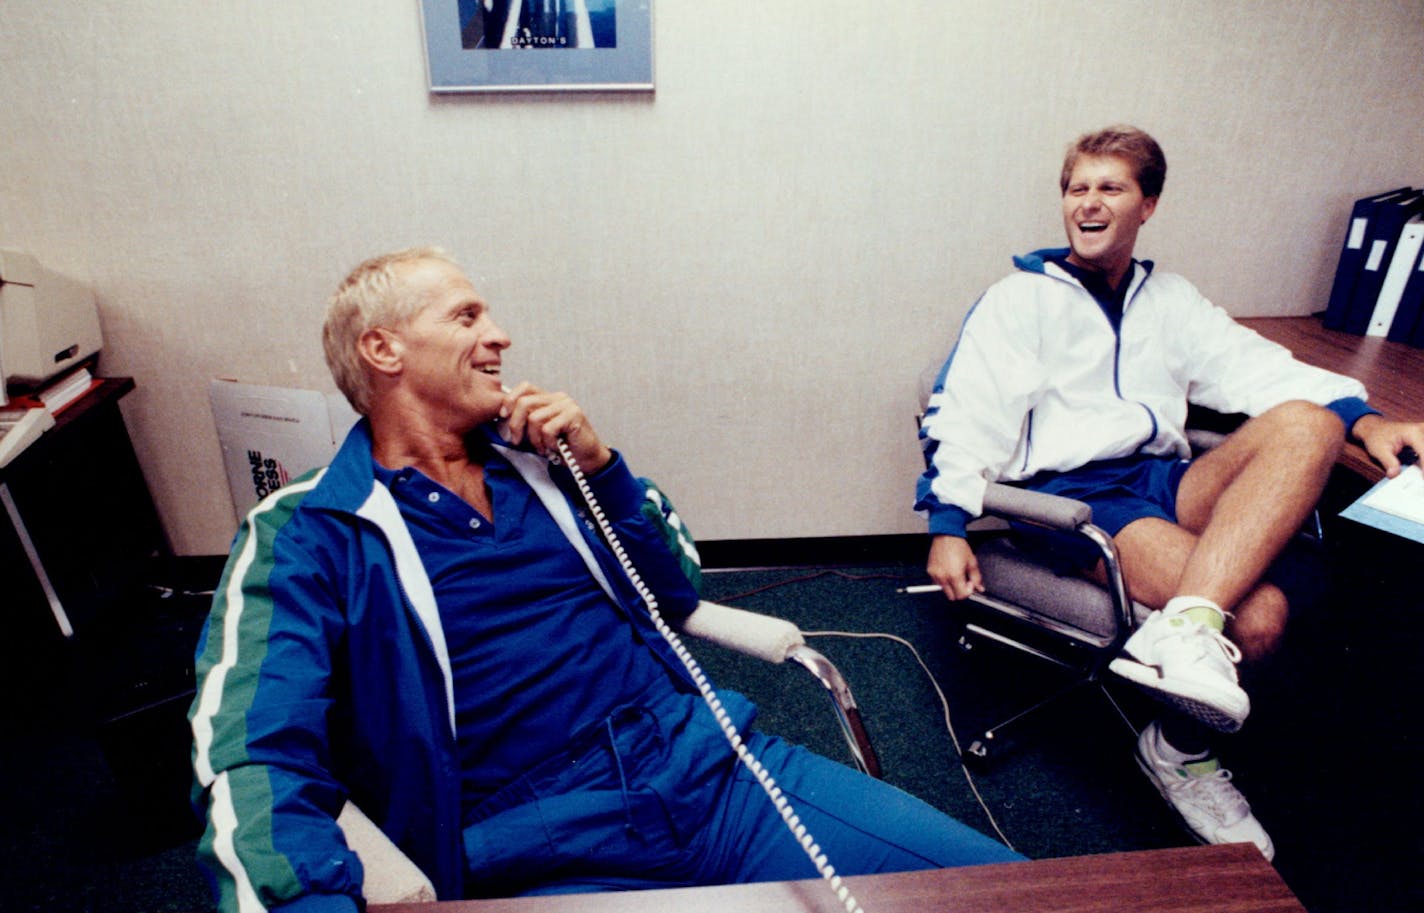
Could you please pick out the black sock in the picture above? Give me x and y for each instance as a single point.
(1185, 734)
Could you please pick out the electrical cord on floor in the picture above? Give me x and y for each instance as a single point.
(844, 575)
(944, 706)
(943, 700)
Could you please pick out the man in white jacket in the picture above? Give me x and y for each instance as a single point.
(1073, 376)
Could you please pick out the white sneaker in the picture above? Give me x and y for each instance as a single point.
(1201, 793)
(1189, 665)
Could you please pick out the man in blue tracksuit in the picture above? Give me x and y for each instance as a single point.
(431, 628)
(1073, 376)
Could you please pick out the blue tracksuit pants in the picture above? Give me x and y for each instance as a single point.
(654, 797)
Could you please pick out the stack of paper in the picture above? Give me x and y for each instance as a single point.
(1395, 505)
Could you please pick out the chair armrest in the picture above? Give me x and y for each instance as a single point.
(776, 640)
(1046, 510)
(752, 633)
(1067, 515)
(390, 876)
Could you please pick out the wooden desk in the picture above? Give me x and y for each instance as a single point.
(1199, 879)
(1392, 372)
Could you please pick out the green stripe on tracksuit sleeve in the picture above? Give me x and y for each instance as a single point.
(658, 509)
(237, 795)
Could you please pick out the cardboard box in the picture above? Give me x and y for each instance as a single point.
(271, 435)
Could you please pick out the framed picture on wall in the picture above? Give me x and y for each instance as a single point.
(538, 45)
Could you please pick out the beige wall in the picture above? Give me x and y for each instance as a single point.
(741, 276)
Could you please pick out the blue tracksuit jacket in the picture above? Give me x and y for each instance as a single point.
(323, 676)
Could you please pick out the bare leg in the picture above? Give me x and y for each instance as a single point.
(1237, 507)
(1247, 497)
(1154, 555)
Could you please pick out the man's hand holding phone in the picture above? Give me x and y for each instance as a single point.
(541, 418)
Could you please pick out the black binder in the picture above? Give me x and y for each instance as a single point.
(1410, 309)
(1381, 236)
(1408, 325)
(1352, 255)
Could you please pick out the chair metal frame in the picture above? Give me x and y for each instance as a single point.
(777, 640)
(1000, 562)
(1003, 504)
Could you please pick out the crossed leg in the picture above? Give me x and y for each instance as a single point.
(1237, 507)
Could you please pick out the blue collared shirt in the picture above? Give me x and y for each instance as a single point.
(537, 648)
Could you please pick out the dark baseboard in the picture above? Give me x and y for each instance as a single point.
(723, 554)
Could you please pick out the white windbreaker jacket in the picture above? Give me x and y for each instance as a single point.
(1040, 380)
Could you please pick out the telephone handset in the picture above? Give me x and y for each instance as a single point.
(709, 696)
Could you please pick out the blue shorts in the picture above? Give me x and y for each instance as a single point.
(1127, 489)
(1119, 491)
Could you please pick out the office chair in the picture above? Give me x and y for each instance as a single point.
(1036, 605)
(391, 877)
(1030, 603)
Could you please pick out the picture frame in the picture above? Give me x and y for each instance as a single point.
(538, 45)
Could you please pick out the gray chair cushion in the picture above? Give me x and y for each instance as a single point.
(1070, 600)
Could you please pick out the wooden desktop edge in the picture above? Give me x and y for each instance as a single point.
(1197, 879)
(108, 390)
(1392, 372)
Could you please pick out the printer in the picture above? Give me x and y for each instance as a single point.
(48, 322)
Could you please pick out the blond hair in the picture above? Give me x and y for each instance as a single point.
(1140, 151)
(370, 296)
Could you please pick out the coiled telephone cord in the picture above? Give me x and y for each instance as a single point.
(709, 695)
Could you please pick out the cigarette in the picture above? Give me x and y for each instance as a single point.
(919, 588)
